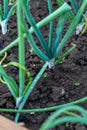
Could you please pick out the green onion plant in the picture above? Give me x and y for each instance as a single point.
(5, 15)
(82, 24)
(50, 51)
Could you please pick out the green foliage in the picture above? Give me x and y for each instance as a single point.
(45, 75)
(5, 14)
(70, 115)
(50, 53)
(77, 84)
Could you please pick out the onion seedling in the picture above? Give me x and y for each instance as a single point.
(5, 15)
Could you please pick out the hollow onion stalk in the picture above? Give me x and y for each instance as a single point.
(21, 47)
(83, 100)
(51, 26)
(59, 31)
(6, 3)
(75, 5)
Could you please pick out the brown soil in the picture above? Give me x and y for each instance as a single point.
(48, 91)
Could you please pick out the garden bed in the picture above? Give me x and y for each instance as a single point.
(66, 83)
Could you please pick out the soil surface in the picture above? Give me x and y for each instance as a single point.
(58, 87)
